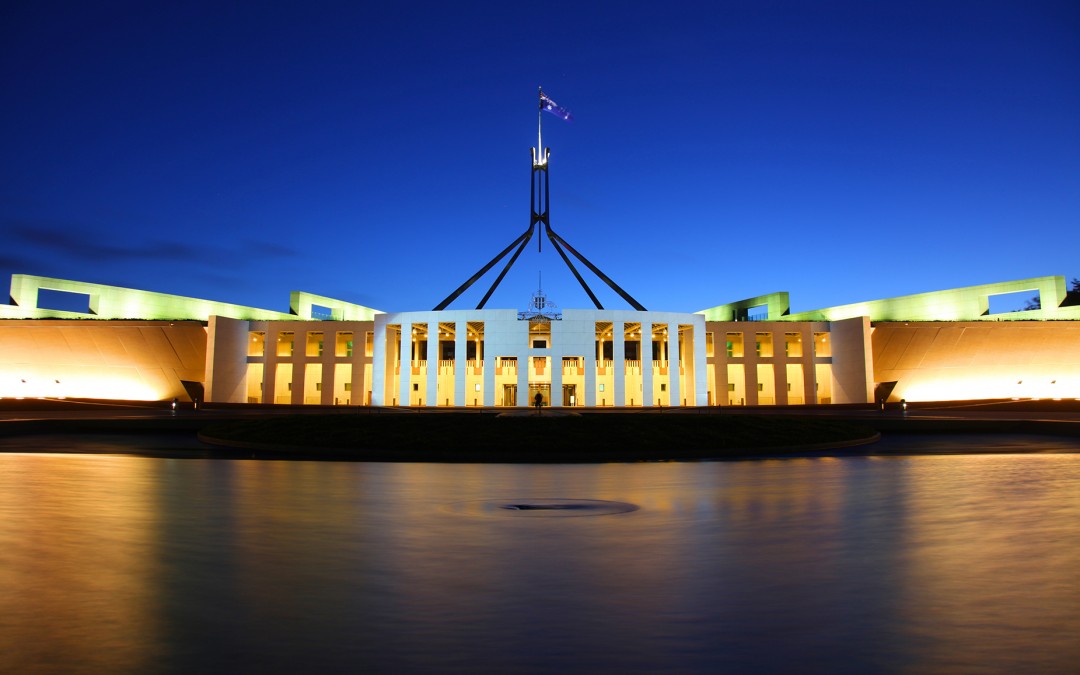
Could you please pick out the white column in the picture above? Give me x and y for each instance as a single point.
(674, 376)
(523, 375)
(590, 368)
(489, 373)
(432, 364)
(618, 362)
(646, 364)
(461, 362)
(405, 364)
(555, 361)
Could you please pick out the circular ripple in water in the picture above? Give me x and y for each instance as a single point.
(540, 508)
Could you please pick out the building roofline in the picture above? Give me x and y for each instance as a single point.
(115, 302)
(968, 303)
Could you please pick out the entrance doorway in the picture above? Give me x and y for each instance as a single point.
(543, 388)
(569, 395)
(509, 395)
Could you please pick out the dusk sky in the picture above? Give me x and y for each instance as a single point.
(379, 153)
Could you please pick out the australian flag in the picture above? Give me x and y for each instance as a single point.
(554, 108)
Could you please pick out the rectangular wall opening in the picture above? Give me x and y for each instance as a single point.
(1003, 303)
(763, 344)
(64, 301)
(283, 383)
(822, 346)
(254, 382)
(793, 345)
(734, 345)
(314, 345)
(342, 384)
(285, 343)
(766, 384)
(755, 313)
(796, 386)
(257, 344)
(313, 378)
(343, 345)
(736, 393)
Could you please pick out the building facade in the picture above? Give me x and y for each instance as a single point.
(139, 345)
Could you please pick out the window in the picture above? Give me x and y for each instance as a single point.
(314, 343)
(348, 386)
(343, 345)
(709, 349)
(257, 343)
(734, 345)
(821, 345)
(763, 345)
(792, 345)
(415, 387)
(285, 343)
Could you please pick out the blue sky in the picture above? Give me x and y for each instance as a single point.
(841, 151)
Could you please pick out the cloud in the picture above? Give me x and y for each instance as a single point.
(271, 249)
(77, 241)
(18, 261)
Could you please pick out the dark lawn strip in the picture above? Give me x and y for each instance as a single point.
(465, 437)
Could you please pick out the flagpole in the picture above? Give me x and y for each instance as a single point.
(539, 124)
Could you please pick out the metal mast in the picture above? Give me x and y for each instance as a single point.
(539, 213)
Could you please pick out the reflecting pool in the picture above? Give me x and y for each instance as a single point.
(949, 563)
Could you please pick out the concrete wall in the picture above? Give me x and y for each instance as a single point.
(969, 360)
(130, 360)
(853, 371)
(226, 360)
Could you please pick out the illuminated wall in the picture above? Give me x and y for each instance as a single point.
(511, 355)
(774, 363)
(490, 357)
(113, 302)
(127, 360)
(970, 303)
(312, 362)
(969, 360)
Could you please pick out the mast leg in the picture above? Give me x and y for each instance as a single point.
(595, 270)
(574, 270)
(465, 286)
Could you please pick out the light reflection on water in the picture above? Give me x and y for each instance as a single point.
(944, 564)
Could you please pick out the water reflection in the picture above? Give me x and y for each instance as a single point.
(962, 563)
(76, 562)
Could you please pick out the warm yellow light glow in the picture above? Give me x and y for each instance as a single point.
(971, 386)
(116, 384)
